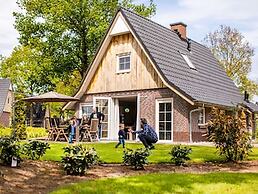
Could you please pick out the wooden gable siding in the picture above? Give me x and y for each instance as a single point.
(141, 76)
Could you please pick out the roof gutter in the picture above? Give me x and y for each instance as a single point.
(190, 122)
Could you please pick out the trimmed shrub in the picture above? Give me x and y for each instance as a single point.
(35, 149)
(180, 154)
(230, 134)
(136, 158)
(9, 148)
(78, 159)
(35, 132)
(32, 132)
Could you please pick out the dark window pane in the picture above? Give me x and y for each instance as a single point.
(161, 106)
(168, 116)
(168, 126)
(127, 65)
(161, 126)
(127, 59)
(104, 134)
(121, 66)
(104, 126)
(121, 60)
(162, 116)
(168, 107)
(161, 135)
(168, 135)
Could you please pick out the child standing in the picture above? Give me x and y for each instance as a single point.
(73, 124)
(121, 137)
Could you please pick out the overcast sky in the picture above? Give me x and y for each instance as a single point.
(201, 16)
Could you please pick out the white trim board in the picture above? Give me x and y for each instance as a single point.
(164, 100)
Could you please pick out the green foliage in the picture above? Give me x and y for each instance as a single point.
(229, 133)
(35, 149)
(78, 158)
(5, 131)
(9, 148)
(234, 54)
(136, 158)
(18, 124)
(34, 132)
(180, 154)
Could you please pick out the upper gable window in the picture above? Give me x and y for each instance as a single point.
(188, 61)
(124, 62)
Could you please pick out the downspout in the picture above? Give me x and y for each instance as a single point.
(190, 123)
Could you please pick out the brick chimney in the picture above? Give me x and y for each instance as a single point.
(180, 29)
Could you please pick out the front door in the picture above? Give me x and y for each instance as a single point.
(103, 105)
(164, 119)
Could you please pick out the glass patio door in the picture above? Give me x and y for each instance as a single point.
(164, 116)
(102, 104)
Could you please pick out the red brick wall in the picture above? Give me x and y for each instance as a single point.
(181, 110)
(5, 119)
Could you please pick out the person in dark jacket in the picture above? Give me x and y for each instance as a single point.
(147, 135)
(121, 137)
(97, 115)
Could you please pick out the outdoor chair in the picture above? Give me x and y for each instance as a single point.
(92, 132)
(60, 131)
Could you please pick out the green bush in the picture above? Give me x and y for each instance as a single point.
(35, 149)
(180, 154)
(9, 148)
(230, 134)
(136, 158)
(33, 132)
(5, 131)
(78, 159)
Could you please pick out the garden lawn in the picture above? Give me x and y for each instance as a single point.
(109, 154)
(210, 183)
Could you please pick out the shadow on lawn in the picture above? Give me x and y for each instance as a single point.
(163, 183)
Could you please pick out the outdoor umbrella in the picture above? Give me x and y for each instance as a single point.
(50, 97)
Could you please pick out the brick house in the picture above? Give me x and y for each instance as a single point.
(6, 100)
(143, 69)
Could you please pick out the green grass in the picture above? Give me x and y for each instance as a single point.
(210, 183)
(109, 154)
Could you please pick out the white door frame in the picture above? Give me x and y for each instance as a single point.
(115, 113)
(165, 100)
(109, 111)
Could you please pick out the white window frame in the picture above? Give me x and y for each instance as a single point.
(109, 113)
(165, 100)
(188, 61)
(128, 54)
(84, 104)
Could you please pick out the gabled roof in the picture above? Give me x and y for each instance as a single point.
(5, 85)
(208, 83)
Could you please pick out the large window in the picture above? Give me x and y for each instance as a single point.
(102, 105)
(164, 119)
(124, 62)
(86, 109)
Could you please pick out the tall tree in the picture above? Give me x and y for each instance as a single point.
(234, 54)
(69, 31)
